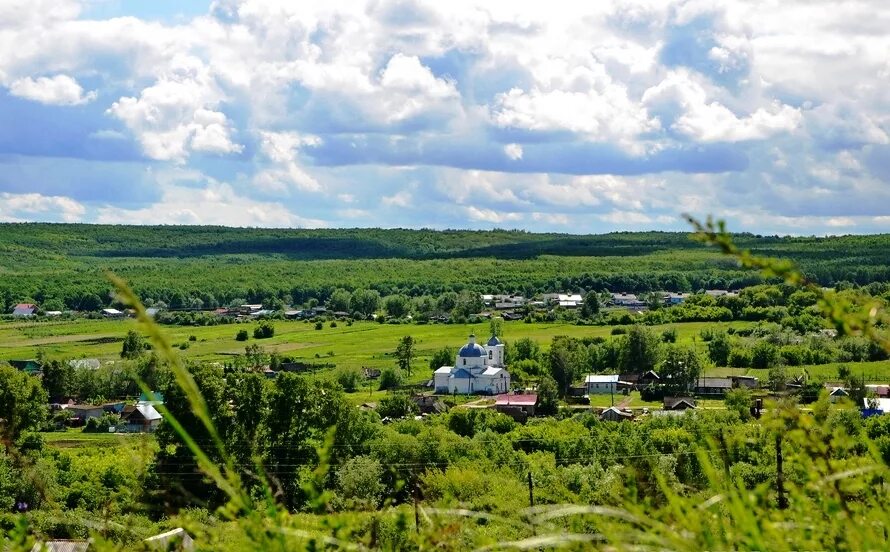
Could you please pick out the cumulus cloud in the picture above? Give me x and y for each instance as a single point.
(57, 90)
(24, 207)
(578, 115)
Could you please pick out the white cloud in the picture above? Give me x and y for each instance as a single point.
(479, 214)
(513, 151)
(213, 203)
(282, 149)
(24, 207)
(399, 199)
(57, 90)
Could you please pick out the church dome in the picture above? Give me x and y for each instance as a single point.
(494, 341)
(471, 349)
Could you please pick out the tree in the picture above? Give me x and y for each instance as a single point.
(524, 349)
(764, 355)
(405, 353)
(242, 335)
(496, 326)
(396, 306)
(133, 346)
(642, 350)
(590, 307)
(349, 379)
(58, 378)
(364, 302)
(442, 357)
(359, 481)
(256, 357)
(679, 370)
(568, 357)
(23, 404)
(548, 397)
(740, 401)
(719, 349)
(339, 300)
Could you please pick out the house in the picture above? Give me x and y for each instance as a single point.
(152, 398)
(477, 369)
(24, 310)
(615, 414)
(518, 406)
(675, 298)
(713, 387)
(569, 301)
(628, 300)
(141, 418)
(29, 367)
(371, 373)
(638, 381)
(84, 412)
(679, 403)
(172, 541)
(838, 393)
(597, 384)
(429, 404)
(880, 405)
(880, 391)
(112, 313)
(749, 382)
(85, 363)
(715, 293)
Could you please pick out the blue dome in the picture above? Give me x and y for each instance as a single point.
(471, 350)
(494, 341)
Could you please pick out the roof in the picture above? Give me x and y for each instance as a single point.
(716, 383)
(672, 403)
(24, 309)
(525, 399)
(882, 404)
(111, 311)
(444, 370)
(61, 546)
(617, 411)
(575, 298)
(839, 392)
(176, 536)
(494, 341)
(460, 373)
(85, 363)
(601, 378)
(471, 350)
(492, 371)
(148, 412)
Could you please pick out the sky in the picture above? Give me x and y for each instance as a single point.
(559, 116)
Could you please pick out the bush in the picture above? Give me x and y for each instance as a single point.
(740, 358)
(319, 325)
(102, 424)
(333, 324)
(193, 338)
(669, 335)
(619, 331)
(264, 331)
(349, 379)
(765, 355)
(390, 378)
(396, 405)
(241, 335)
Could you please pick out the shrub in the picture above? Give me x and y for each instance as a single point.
(390, 378)
(740, 358)
(193, 338)
(669, 335)
(396, 405)
(241, 335)
(102, 424)
(319, 325)
(333, 324)
(619, 331)
(349, 379)
(264, 331)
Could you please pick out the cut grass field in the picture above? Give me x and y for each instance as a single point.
(363, 344)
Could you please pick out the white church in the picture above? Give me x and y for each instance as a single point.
(477, 369)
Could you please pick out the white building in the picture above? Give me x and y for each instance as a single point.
(601, 384)
(477, 369)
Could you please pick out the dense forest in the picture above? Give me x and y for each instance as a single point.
(63, 266)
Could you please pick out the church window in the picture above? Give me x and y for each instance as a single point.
(465, 362)
(489, 355)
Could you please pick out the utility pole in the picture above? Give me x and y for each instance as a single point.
(531, 491)
(780, 476)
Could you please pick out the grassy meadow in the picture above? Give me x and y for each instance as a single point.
(361, 344)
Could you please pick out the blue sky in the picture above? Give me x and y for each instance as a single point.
(548, 116)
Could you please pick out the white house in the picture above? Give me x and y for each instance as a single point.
(477, 369)
(569, 301)
(600, 384)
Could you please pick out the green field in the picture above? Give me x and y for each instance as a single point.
(362, 344)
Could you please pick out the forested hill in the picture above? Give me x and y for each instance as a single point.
(84, 240)
(61, 266)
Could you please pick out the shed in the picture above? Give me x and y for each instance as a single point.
(601, 383)
(24, 309)
(62, 546)
(615, 414)
(141, 418)
(714, 387)
(679, 403)
(174, 540)
(518, 406)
